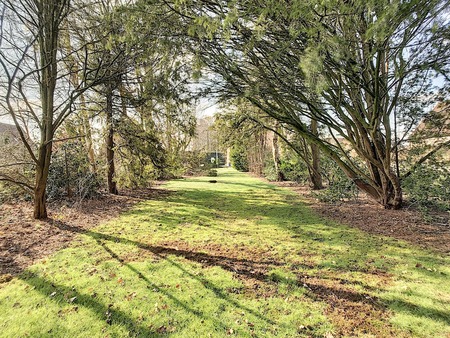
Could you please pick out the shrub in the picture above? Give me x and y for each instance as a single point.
(339, 188)
(428, 187)
(212, 173)
(269, 171)
(12, 192)
(70, 175)
(239, 159)
(295, 170)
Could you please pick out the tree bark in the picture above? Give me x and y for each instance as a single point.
(48, 46)
(276, 155)
(112, 185)
(40, 186)
(315, 175)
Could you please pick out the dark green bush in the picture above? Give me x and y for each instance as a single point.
(269, 171)
(428, 187)
(294, 170)
(239, 159)
(212, 173)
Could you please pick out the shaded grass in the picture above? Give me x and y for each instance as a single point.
(238, 257)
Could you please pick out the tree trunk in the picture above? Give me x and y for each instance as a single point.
(391, 191)
(315, 175)
(276, 155)
(40, 186)
(388, 195)
(40, 208)
(112, 186)
(48, 46)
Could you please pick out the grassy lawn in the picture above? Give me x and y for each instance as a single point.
(239, 257)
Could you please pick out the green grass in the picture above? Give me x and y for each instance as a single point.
(236, 258)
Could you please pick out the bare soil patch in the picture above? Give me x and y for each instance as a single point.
(407, 224)
(24, 240)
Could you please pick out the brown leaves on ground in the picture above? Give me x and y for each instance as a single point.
(406, 224)
(24, 240)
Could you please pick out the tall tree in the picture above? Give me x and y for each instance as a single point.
(346, 65)
(37, 88)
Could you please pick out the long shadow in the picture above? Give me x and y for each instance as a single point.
(9, 264)
(315, 291)
(247, 270)
(154, 286)
(225, 262)
(404, 306)
(104, 312)
(207, 200)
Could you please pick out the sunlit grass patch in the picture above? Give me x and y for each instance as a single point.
(239, 257)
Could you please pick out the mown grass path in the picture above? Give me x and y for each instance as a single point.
(239, 257)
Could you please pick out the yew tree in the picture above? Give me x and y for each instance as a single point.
(358, 68)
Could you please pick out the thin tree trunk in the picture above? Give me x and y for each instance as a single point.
(112, 186)
(316, 177)
(276, 155)
(89, 144)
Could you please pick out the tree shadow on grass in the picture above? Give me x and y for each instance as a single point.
(243, 268)
(348, 301)
(400, 305)
(293, 216)
(331, 238)
(340, 297)
(162, 252)
(106, 313)
(159, 251)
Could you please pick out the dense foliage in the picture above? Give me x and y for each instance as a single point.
(306, 84)
(70, 175)
(359, 68)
